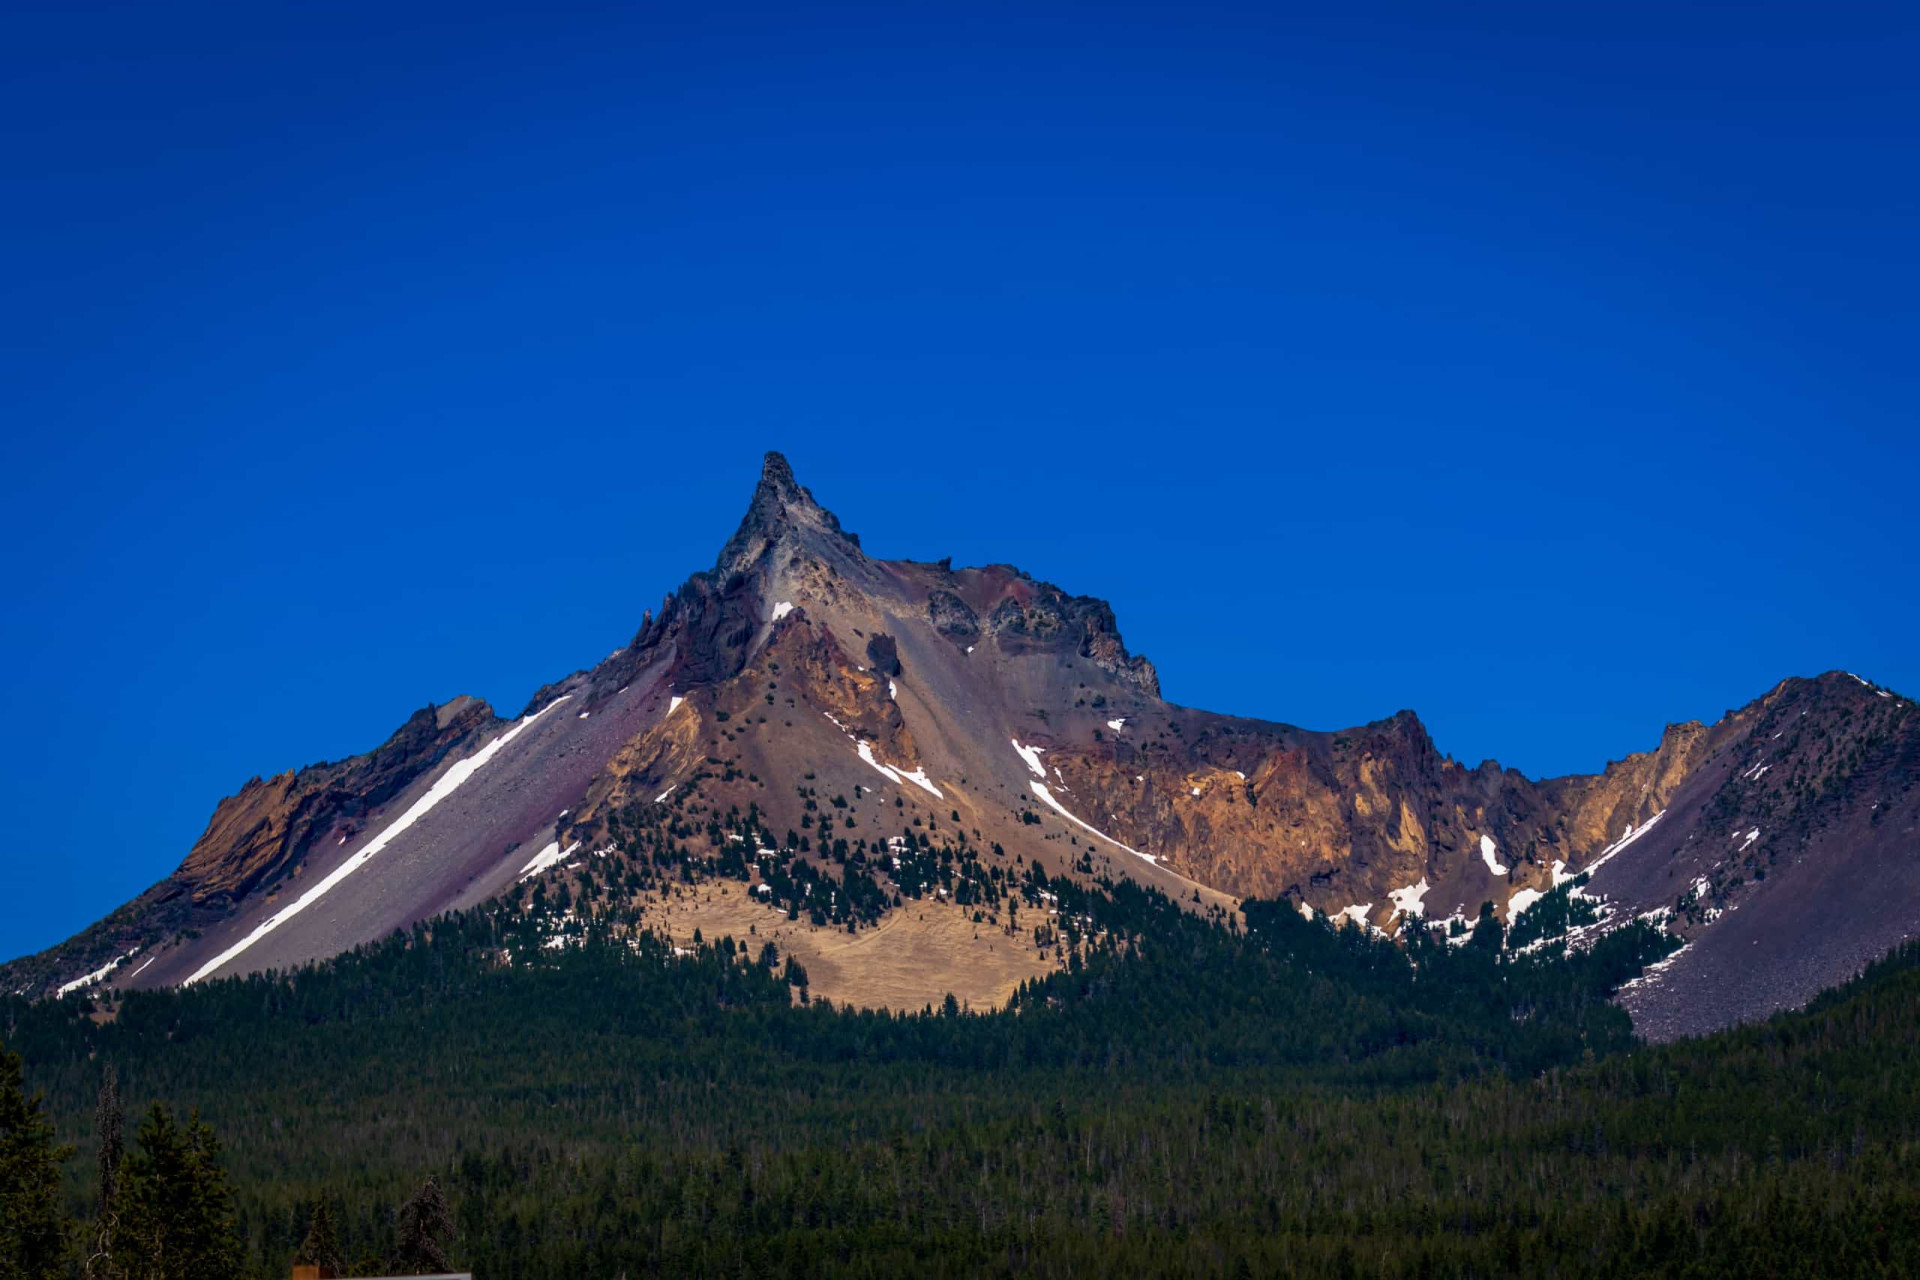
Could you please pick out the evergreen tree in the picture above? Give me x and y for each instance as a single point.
(1489, 936)
(175, 1210)
(321, 1248)
(426, 1232)
(32, 1231)
(109, 1125)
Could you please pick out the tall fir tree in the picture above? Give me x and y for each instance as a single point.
(321, 1248)
(32, 1229)
(176, 1218)
(425, 1231)
(109, 1126)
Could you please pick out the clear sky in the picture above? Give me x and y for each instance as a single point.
(1548, 369)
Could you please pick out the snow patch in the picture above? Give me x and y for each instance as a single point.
(1520, 901)
(866, 753)
(551, 856)
(1654, 970)
(1407, 901)
(1633, 833)
(1357, 913)
(1117, 725)
(87, 979)
(1305, 910)
(893, 690)
(919, 779)
(1032, 756)
(673, 703)
(1490, 854)
(782, 609)
(1040, 789)
(662, 797)
(448, 783)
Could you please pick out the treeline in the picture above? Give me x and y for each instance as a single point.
(1181, 1099)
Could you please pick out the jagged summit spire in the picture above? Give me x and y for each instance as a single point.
(781, 506)
(775, 470)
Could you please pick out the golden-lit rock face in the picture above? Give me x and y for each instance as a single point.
(248, 836)
(266, 828)
(1633, 789)
(1340, 819)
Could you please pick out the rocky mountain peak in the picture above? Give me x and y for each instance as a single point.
(782, 508)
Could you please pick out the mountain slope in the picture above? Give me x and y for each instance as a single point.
(800, 682)
(1788, 859)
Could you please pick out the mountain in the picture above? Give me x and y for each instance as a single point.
(802, 709)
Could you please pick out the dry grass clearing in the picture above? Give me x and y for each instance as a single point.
(912, 958)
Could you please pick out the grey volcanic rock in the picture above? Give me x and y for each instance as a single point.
(781, 507)
(951, 616)
(883, 655)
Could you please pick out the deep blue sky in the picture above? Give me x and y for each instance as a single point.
(1550, 371)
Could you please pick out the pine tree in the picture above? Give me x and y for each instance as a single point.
(176, 1217)
(1489, 937)
(110, 1127)
(321, 1248)
(32, 1231)
(426, 1232)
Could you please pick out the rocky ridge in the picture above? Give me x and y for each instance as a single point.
(986, 698)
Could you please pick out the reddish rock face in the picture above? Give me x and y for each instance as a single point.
(260, 833)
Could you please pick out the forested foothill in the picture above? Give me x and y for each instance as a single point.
(1279, 1097)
